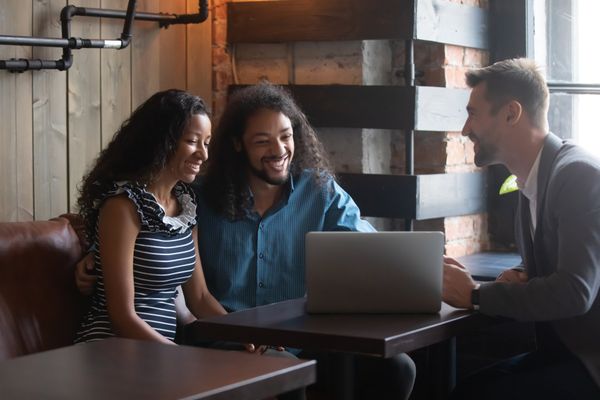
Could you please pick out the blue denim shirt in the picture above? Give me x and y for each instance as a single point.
(255, 261)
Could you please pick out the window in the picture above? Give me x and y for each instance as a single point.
(564, 42)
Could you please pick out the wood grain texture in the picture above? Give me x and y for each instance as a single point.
(315, 20)
(355, 106)
(287, 324)
(417, 196)
(84, 101)
(129, 369)
(325, 20)
(62, 119)
(199, 55)
(49, 118)
(145, 62)
(173, 45)
(16, 148)
(115, 73)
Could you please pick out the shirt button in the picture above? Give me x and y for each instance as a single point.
(261, 226)
(261, 285)
(261, 256)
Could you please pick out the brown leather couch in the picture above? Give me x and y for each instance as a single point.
(40, 307)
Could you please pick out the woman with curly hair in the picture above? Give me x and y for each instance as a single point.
(140, 213)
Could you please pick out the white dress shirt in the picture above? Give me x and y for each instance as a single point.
(530, 190)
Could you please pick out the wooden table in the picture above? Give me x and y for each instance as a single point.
(382, 335)
(129, 369)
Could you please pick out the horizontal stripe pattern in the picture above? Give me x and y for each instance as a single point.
(161, 262)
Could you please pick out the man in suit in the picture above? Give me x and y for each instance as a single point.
(558, 236)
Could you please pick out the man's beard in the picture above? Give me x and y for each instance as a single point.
(262, 174)
(486, 153)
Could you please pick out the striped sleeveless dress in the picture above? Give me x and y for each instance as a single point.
(164, 258)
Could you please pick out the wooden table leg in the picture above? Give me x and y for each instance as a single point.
(442, 368)
(343, 376)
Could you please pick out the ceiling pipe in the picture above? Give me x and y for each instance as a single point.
(68, 43)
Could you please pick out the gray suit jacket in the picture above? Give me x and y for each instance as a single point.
(563, 260)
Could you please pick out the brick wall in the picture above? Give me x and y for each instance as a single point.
(365, 62)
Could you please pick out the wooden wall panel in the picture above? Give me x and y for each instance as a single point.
(83, 102)
(199, 55)
(16, 157)
(54, 123)
(115, 72)
(173, 46)
(49, 118)
(145, 62)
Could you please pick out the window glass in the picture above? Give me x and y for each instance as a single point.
(576, 117)
(565, 45)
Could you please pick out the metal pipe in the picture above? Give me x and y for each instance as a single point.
(67, 42)
(22, 64)
(574, 88)
(409, 135)
(126, 34)
(120, 14)
(33, 41)
(409, 78)
(201, 16)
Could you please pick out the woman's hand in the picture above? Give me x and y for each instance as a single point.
(84, 277)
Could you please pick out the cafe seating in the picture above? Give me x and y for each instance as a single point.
(40, 307)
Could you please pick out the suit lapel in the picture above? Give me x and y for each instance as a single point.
(523, 235)
(551, 148)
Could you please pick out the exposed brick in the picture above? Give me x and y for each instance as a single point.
(222, 79)
(455, 76)
(436, 224)
(455, 152)
(221, 57)
(219, 33)
(469, 152)
(433, 77)
(475, 58)
(461, 247)
(454, 55)
(430, 151)
(220, 12)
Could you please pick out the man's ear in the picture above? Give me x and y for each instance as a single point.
(237, 144)
(514, 112)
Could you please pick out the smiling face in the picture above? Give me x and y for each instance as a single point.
(268, 142)
(192, 149)
(483, 127)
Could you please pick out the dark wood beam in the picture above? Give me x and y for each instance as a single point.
(421, 108)
(355, 106)
(329, 20)
(417, 196)
(318, 20)
(385, 196)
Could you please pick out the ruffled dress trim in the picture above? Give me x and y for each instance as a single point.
(152, 215)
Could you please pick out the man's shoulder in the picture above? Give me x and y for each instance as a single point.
(574, 162)
(575, 179)
(313, 181)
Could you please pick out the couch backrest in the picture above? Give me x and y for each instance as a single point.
(40, 307)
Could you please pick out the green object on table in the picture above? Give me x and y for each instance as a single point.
(509, 185)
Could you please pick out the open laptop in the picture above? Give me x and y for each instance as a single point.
(375, 272)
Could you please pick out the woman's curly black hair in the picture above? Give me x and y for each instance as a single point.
(225, 183)
(140, 148)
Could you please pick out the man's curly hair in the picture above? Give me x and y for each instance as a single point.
(225, 182)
